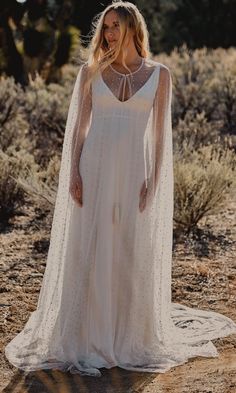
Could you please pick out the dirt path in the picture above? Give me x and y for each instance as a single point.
(204, 275)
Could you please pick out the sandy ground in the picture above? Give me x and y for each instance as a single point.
(204, 275)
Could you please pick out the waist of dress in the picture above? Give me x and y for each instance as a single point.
(119, 115)
(112, 115)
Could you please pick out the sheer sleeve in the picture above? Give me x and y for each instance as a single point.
(84, 110)
(161, 119)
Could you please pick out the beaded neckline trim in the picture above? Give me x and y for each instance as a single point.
(130, 73)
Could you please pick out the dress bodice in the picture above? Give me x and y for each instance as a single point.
(106, 88)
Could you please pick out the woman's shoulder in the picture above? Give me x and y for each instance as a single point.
(84, 67)
(164, 78)
(163, 67)
(164, 74)
(84, 70)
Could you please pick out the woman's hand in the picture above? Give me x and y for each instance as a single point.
(76, 187)
(145, 195)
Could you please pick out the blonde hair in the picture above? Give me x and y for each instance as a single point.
(99, 54)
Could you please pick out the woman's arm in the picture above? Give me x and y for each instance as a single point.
(161, 117)
(83, 118)
(161, 105)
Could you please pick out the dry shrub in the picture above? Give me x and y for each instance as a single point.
(196, 130)
(204, 80)
(13, 125)
(41, 185)
(45, 108)
(223, 93)
(202, 178)
(22, 177)
(12, 195)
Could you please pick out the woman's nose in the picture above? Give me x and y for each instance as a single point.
(110, 31)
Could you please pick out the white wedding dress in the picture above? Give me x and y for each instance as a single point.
(105, 299)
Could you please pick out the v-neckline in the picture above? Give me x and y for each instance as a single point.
(134, 95)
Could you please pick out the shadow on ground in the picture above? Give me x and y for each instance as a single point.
(201, 375)
(54, 381)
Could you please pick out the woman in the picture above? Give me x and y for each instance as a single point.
(105, 299)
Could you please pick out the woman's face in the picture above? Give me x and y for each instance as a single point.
(111, 28)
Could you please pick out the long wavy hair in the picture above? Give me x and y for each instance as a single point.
(99, 56)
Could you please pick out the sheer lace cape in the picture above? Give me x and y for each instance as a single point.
(178, 331)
